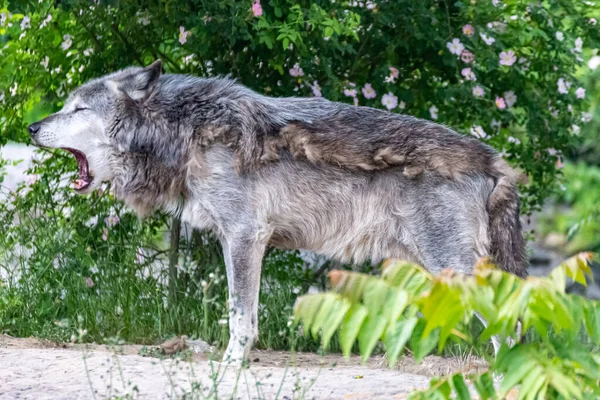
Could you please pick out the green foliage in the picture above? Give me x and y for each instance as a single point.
(407, 302)
(58, 273)
(575, 216)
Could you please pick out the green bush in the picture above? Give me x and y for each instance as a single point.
(507, 72)
(407, 304)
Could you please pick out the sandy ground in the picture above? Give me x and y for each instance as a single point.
(35, 369)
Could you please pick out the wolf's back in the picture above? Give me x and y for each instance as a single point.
(506, 237)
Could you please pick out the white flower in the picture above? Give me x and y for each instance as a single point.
(389, 101)
(478, 91)
(402, 105)
(510, 98)
(3, 18)
(563, 86)
(433, 111)
(594, 62)
(89, 51)
(496, 125)
(560, 36)
(46, 21)
(45, 62)
(2, 98)
(586, 117)
(578, 45)
(576, 129)
(455, 47)
(13, 89)
(67, 43)
(487, 39)
(495, 3)
(514, 140)
(143, 17)
(580, 93)
(25, 23)
(478, 132)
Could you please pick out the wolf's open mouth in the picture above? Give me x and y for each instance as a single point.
(85, 178)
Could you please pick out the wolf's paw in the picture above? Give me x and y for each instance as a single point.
(235, 356)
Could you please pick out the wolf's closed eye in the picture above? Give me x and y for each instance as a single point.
(80, 109)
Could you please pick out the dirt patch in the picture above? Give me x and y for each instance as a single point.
(39, 369)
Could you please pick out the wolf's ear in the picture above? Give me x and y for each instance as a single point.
(138, 85)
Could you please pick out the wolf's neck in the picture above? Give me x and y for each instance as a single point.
(145, 183)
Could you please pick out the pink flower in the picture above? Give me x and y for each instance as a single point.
(478, 91)
(111, 220)
(257, 9)
(296, 70)
(468, 30)
(467, 56)
(183, 35)
(394, 73)
(316, 89)
(368, 91)
(507, 58)
(355, 102)
(389, 101)
(350, 92)
(105, 234)
(468, 74)
(500, 103)
(580, 93)
(89, 282)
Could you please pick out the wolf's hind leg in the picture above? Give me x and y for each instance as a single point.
(243, 259)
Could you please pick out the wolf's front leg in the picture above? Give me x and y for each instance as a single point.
(243, 260)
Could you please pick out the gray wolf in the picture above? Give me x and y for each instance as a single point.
(352, 183)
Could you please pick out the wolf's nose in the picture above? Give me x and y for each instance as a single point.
(34, 128)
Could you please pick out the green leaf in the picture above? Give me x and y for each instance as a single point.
(351, 326)
(461, 389)
(485, 386)
(591, 314)
(370, 333)
(395, 339)
(333, 320)
(421, 345)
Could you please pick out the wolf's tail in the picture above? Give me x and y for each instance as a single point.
(507, 244)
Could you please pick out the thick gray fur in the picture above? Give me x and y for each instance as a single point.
(352, 183)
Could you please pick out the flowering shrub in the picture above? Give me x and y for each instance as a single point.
(507, 72)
